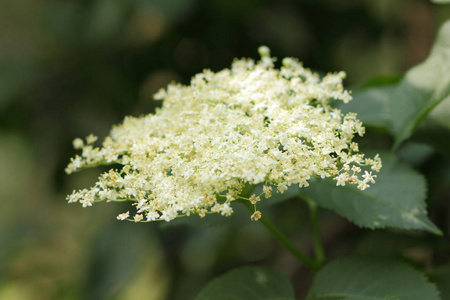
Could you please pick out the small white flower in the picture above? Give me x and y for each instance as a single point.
(267, 190)
(90, 139)
(341, 179)
(78, 143)
(368, 177)
(226, 210)
(247, 125)
(138, 217)
(256, 216)
(123, 216)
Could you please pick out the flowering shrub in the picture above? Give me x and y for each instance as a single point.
(248, 125)
(254, 131)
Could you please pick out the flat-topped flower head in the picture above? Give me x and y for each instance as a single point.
(247, 125)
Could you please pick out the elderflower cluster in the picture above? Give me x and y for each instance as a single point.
(247, 125)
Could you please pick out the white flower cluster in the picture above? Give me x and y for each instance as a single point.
(251, 124)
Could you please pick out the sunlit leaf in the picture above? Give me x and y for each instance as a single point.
(441, 1)
(423, 87)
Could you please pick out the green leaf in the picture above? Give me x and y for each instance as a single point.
(360, 278)
(403, 106)
(423, 87)
(441, 1)
(372, 106)
(434, 135)
(371, 101)
(442, 279)
(353, 297)
(441, 114)
(397, 199)
(435, 130)
(394, 245)
(415, 154)
(245, 283)
(379, 81)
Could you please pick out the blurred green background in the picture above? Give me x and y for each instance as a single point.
(74, 67)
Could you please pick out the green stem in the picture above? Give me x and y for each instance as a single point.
(284, 240)
(318, 246)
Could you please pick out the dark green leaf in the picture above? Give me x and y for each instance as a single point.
(442, 279)
(437, 136)
(357, 278)
(380, 81)
(394, 245)
(415, 154)
(397, 199)
(254, 283)
(354, 298)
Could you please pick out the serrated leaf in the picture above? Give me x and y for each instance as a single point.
(245, 283)
(397, 199)
(357, 278)
(442, 279)
(423, 87)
